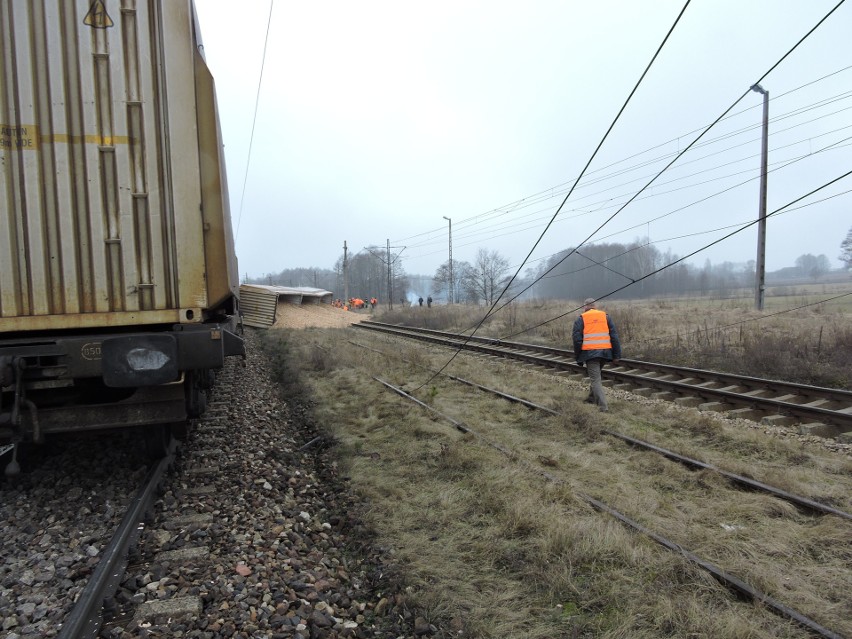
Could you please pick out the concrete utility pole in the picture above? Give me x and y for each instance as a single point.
(760, 275)
(451, 289)
(390, 280)
(345, 277)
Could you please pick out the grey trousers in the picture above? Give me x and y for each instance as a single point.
(594, 366)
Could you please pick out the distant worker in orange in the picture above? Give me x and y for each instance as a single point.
(595, 343)
(374, 301)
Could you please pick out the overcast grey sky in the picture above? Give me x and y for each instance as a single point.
(378, 118)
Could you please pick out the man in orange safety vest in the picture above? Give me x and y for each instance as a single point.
(595, 343)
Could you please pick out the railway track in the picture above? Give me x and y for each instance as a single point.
(819, 411)
(725, 577)
(145, 534)
(86, 618)
(248, 533)
(58, 517)
(747, 483)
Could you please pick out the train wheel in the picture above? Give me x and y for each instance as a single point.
(180, 430)
(196, 397)
(158, 440)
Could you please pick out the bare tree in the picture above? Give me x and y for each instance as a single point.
(813, 265)
(441, 280)
(846, 250)
(487, 276)
(368, 275)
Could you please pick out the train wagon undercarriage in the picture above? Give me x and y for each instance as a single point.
(75, 383)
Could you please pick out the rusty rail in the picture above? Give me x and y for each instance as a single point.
(798, 401)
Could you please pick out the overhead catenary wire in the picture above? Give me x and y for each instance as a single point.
(678, 237)
(675, 159)
(685, 257)
(514, 229)
(657, 218)
(644, 222)
(725, 190)
(520, 224)
(494, 225)
(254, 119)
(555, 190)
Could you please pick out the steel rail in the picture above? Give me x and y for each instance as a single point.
(728, 378)
(86, 617)
(803, 411)
(726, 579)
(731, 379)
(722, 576)
(799, 500)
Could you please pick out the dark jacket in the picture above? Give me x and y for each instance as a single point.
(607, 354)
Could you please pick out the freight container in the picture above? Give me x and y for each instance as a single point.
(118, 276)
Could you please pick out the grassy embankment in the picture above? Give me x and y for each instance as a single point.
(492, 549)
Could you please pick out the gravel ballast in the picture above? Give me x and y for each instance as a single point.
(255, 534)
(284, 552)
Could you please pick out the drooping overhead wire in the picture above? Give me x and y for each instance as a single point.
(514, 227)
(254, 119)
(685, 257)
(663, 170)
(532, 219)
(738, 225)
(579, 177)
(781, 165)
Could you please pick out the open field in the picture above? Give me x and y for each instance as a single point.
(489, 548)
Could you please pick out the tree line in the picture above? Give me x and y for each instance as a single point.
(573, 273)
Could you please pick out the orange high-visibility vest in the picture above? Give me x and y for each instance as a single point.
(595, 331)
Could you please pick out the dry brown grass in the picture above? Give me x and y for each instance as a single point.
(487, 542)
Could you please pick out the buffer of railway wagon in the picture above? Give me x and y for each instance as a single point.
(750, 397)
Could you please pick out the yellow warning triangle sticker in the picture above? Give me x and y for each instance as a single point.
(97, 16)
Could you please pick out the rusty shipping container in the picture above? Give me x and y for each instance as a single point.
(114, 212)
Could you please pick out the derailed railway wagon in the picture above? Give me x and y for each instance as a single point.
(118, 278)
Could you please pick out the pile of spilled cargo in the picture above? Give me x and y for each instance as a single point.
(297, 316)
